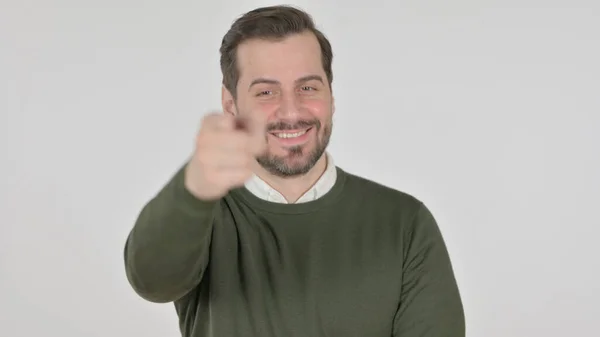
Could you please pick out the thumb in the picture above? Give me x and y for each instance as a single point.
(256, 127)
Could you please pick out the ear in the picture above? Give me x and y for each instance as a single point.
(332, 105)
(227, 102)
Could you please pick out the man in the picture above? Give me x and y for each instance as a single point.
(260, 234)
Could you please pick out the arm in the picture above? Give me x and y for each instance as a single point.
(167, 250)
(430, 303)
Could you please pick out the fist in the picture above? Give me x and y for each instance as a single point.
(225, 153)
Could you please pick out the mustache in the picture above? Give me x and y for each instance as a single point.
(301, 124)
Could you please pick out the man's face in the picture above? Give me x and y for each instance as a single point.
(285, 82)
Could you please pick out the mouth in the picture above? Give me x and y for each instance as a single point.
(290, 134)
(292, 137)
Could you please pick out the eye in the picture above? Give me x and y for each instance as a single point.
(307, 88)
(264, 93)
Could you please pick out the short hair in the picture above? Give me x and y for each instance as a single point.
(268, 23)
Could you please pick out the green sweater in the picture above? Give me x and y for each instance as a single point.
(363, 260)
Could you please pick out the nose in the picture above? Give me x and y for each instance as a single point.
(289, 107)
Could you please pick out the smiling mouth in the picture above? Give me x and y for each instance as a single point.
(287, 135)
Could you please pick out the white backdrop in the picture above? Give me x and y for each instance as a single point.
(488, 111)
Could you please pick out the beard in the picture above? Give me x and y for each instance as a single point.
(299, 159)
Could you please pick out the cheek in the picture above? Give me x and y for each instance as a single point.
(267, 105)
(264, 108)
(320, 109)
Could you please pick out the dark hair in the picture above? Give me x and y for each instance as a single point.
(269, 23)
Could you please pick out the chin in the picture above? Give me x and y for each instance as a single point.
(291, 162)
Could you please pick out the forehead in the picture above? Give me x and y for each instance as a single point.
(289, 58)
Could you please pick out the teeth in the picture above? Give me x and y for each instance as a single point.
(290, 135)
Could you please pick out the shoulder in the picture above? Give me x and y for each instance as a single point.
(390, 210)
(378, 195)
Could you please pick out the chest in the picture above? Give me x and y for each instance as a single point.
(308, 279)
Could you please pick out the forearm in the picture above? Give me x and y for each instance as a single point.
(167, 250)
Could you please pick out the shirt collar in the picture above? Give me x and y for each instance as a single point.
(261, 189)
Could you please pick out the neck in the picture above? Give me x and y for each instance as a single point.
(293, 188)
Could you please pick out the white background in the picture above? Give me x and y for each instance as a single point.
(488, 111)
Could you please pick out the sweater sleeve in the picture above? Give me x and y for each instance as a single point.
(167, 250)
(430, 303)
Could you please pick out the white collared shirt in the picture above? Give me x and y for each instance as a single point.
(264, 191)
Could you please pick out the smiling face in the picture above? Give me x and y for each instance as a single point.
(284, 81)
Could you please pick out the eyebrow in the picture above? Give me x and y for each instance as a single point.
(298, 81)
